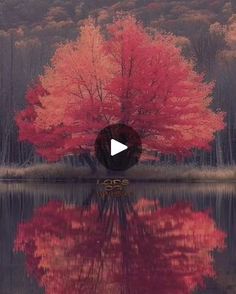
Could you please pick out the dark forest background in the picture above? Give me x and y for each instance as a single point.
(31, 29)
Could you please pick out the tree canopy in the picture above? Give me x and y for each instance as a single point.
(120, 75)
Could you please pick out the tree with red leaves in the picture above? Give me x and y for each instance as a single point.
(122, 248)
(128, 77)
(47, 142)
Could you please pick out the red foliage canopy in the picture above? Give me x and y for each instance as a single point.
(159, 250)
(128, 77)
(47, 142)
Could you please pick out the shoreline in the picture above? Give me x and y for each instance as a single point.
(140, 173)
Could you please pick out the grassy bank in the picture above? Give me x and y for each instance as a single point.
(59, 172)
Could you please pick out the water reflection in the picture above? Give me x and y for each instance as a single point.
(117, 245)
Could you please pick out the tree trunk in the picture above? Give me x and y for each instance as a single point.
(91, 163)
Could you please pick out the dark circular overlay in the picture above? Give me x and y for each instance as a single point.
(125, 159)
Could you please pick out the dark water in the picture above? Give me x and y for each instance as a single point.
(150, 238)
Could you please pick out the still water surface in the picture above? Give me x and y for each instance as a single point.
(154, 238)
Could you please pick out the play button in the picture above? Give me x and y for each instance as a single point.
(118, 147)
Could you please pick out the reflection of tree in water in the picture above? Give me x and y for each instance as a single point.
(116, 247)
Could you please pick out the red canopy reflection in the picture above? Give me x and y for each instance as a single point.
(121, 248)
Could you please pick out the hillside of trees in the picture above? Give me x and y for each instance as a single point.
(31, 30)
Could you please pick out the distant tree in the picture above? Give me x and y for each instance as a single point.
(129, 78)
(233, 3)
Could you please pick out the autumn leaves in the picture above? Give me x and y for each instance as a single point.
(119, 74)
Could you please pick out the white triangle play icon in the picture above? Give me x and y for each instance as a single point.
(117, 147)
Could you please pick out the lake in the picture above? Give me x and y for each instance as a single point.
(165, 238)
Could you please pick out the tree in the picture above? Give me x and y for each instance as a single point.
(119, 247)
(128, 77)
(47, 142)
